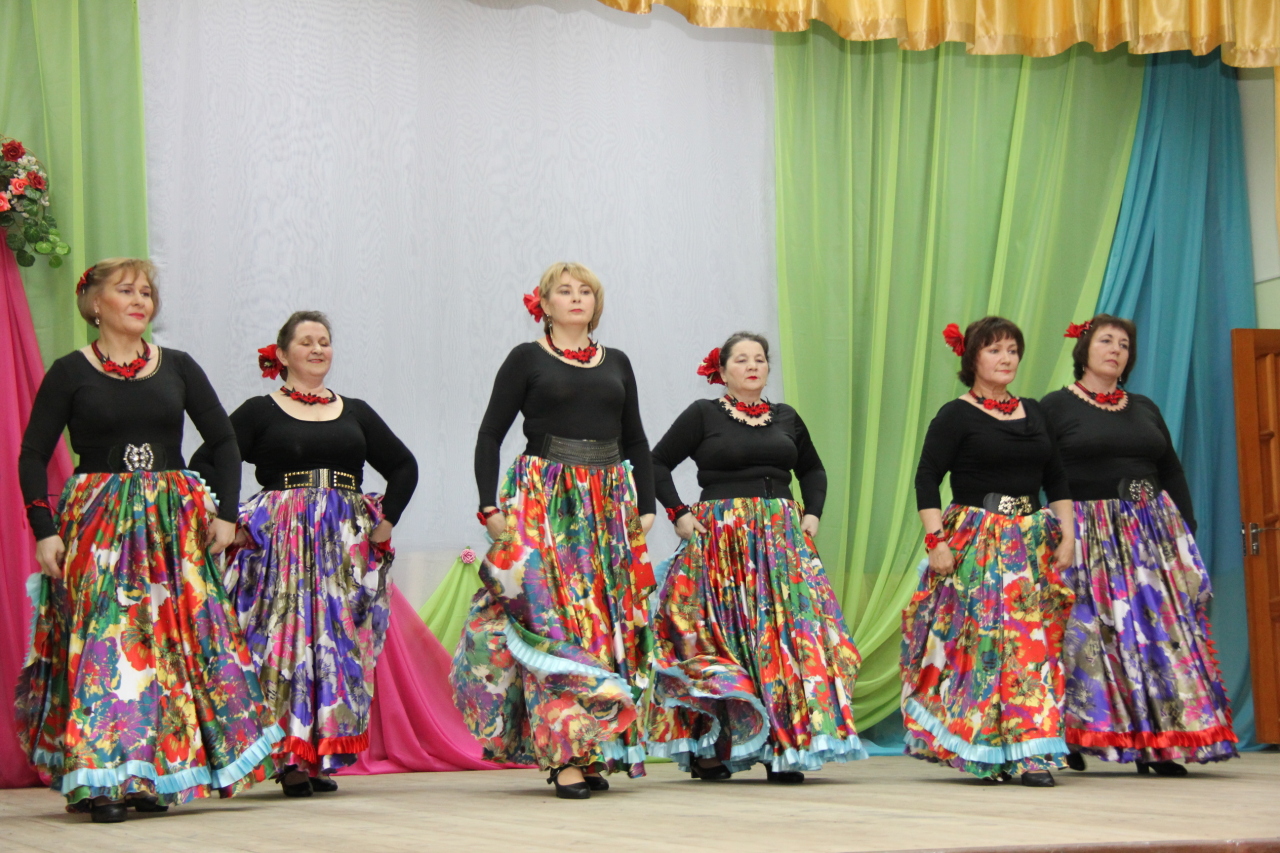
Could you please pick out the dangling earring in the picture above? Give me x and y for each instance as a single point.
(96, 321)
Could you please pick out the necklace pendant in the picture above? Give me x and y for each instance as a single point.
(308, 399)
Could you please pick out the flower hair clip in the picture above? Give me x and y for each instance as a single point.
(954, 338)
(268, 362)
(84, 280)
(710, 368)
(533, 304)
(1075, 330)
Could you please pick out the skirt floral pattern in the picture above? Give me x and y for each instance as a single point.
(310, 590)
(752, 659)
(1142, 678)
(556, 650)
(982, 648)
(137, 681)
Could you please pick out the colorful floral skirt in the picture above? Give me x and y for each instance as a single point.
(310, 590)
(982, 648)
(556, 650)
(138, 681)
(1142, 680)
(752, 659)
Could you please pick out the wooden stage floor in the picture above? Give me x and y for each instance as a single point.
(879, 804)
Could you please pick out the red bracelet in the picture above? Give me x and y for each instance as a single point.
(674, 512)
(933, 540)
(485, 516)
(39, 502)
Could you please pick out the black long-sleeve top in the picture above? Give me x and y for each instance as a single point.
(104, 415)
(597, 403)
(985, 454)
(276, 442)
(1100, 448)
(733, 458)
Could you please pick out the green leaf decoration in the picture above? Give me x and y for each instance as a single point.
(7, 219)
(61, 248)
(24, 258)
(44, 247)
(15, 240)
(53, 232)
(55, 260)
(32, 233)
(32, 193)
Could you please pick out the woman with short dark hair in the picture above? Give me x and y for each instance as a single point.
(753, 661)
(982, 636)
(1143, 684)
(308, 576)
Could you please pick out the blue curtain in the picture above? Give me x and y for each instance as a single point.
(1181, 267)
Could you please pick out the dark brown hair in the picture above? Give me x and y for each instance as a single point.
(983, 333)
(1080, 354)
(290, 328)
(726, 349)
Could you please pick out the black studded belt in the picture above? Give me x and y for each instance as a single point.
(581, 452)
(315, 478)
(1012, 505)
(1138, 488)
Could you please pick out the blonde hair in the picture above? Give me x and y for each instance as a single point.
(105, 270)
(551, 278)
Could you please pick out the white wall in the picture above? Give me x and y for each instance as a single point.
(411, 167)
(1257, 109)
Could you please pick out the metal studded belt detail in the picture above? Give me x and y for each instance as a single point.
(316, 478)
(1138, 489)
(1009, 504)
(581, 452)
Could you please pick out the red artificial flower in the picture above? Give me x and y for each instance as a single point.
(84, 281)
(13, 150)
(710, 368)
(1075, 330)
(37, 180)
(268, 362)
(533, 304)
(18, 186)
(954, 338)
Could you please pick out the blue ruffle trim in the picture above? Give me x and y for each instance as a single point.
(170, 783)
(978, 753)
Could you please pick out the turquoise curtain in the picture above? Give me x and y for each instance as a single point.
(1181, 268)
(916, 189)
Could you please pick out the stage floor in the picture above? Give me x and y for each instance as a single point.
(879, 804)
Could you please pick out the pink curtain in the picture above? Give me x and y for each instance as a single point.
(413, 724)
(21, 370)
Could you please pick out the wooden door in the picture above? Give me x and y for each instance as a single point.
(1255, 355)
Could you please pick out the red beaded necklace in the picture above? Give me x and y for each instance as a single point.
(308, 399)
(751, 410)
(1004, 407)
(1106, 398)
(583, 355)
(127, 371)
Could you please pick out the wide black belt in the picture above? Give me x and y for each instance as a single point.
(581, 452)
(1138, 488)
(1011, 505)
(128, 457)
(755, 487)
(315, 478)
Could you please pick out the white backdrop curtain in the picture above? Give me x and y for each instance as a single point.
(411, 167)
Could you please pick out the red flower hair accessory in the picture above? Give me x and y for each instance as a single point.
(1075, 330)
(533, 304)
(954, 338)
(84, 280)
(710, 368)
(268, 362)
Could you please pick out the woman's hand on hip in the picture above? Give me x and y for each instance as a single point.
(687, 525)
(382, 532)
(221, 534)
(809, 526)
(50, 552)
(646, 521)
(496, 524)
(942, 560)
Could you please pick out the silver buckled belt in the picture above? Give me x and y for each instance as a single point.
(581, 452)
(316, 478)
(1138, 488)
(1010, 505)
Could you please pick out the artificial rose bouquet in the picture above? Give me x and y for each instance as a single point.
(24, 207)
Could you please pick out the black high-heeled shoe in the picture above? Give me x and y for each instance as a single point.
(1038, 779)
(144, 805)
(1161, 768)
(784, 777)
(718, 773)
(323, 786)
(596, 782)
(293, 789)
(1076, 761)
(108, 813)
(575, 791)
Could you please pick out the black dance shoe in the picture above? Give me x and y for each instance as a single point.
(323, 786)
(108, 813)
(596, 782)
(145, 805)
(718, 773)
(1038, 779)
(785, 777)
(293, 789)
(576, 791)
(1161, 768)
(1075, 761)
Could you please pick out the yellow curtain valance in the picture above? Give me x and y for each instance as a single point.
(1248, 31)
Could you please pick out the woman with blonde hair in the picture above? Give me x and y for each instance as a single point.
(556, 648)
(138, 690)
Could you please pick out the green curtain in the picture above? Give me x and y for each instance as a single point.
(916, 189)
(71, 91)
